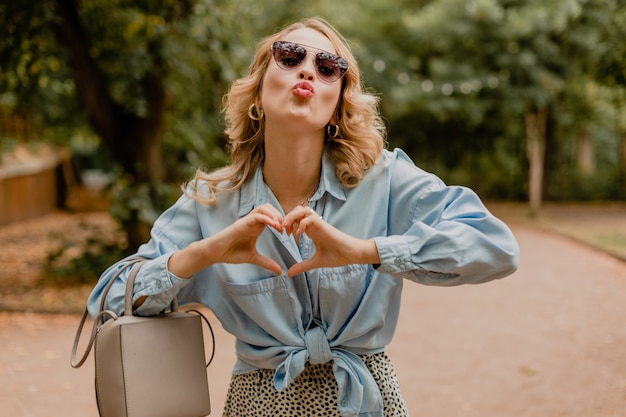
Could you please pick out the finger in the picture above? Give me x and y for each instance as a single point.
(268, 263)
(312, 218)
(293, 220)
(270, 212)
(268, 220)
(301, 267)
(295, 216)
(289, 228)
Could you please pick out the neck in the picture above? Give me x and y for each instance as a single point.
(292, 170)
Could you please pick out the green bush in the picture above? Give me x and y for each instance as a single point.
(82, 257)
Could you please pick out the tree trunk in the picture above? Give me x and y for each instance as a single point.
(135, 141)
(585, 162)
(551, 151)
(535, 148)
(622, 166)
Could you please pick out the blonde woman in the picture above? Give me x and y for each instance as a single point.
(302, 244)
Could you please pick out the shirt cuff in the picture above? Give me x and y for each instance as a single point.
(394, 253)
(155, 281)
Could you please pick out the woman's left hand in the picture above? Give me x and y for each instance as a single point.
(332, 246)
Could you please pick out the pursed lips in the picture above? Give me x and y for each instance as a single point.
(303, 90)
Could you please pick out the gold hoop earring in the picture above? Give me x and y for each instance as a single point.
(255, 113)
(333, 131)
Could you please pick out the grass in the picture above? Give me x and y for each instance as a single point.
(599, 225)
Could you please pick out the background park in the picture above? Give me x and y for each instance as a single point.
(107, 106)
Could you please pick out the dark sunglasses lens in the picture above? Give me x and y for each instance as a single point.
(330, 67)
(287, 54)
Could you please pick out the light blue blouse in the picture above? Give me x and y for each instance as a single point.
(425, 231)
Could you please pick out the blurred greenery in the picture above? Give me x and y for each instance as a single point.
(81, 256)
(485, 93)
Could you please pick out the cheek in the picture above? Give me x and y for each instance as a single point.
(272, 81)
(331, 99)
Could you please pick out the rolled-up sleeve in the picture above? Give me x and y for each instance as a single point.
(451, 237)
(174, 229)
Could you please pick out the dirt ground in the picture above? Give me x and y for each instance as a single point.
(25, 248)
(548, 341)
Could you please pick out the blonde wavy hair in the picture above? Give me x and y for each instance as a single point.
(361, 131)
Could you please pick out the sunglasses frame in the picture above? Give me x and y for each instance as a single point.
(320, 57)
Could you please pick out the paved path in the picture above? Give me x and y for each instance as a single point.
(549, 341)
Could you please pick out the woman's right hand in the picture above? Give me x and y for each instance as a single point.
(235, 244)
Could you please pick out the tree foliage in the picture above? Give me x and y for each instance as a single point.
(502, 95)
(493, 86)
(147, 77)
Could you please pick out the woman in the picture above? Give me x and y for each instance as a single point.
(301, 246)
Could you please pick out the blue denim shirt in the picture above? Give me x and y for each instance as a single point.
(425, 232)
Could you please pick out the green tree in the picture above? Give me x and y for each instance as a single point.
(147, 77)
(610, 70)
(481, 77)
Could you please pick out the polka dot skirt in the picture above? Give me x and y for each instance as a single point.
(312, 393)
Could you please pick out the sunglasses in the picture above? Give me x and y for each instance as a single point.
(289, 55)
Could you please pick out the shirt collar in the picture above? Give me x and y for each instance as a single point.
(255, 192)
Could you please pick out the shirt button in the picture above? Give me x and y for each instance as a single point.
(158, 285)
(344, 402)
(398, 261)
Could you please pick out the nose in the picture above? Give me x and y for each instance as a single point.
(306, 71)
